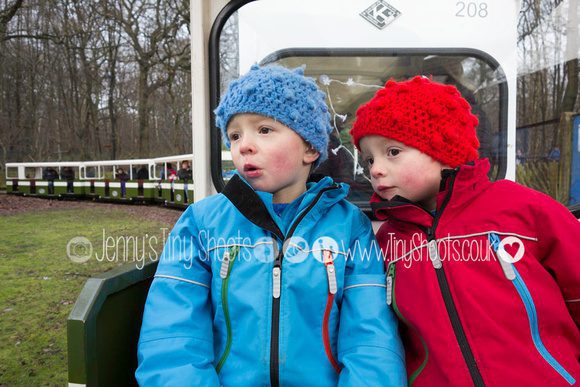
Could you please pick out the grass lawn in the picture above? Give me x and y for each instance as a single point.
(40, 284)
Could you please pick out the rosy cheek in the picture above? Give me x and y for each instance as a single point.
(413, 186)
(421, 183)
(287, 160)
(280, 164)
(410, 180)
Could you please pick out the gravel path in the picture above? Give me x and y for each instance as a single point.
(12, 204)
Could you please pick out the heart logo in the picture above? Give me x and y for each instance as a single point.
(510, 241)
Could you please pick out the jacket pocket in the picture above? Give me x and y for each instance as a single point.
(227, 264)
(514, 276)
(392, 300)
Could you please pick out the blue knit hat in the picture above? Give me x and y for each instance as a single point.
(284, 95)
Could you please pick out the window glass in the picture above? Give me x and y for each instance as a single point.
(548, 124)
(12, 172)
(350, 80)
(32, 173)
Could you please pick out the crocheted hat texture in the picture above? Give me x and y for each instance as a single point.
(284, 95)
(429, 116)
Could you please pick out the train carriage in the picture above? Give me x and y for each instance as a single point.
(350, 47)
(45, 179)
(118, 180)
(172, 188)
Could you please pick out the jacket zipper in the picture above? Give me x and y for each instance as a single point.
(391, 300)
(446, 292)
(276, 293)
(332, 288)
(530, 307)
(502, 257)
(227, 264)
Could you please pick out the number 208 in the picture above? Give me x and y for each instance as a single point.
(471, 9)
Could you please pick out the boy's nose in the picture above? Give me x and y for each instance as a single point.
(247, 145)
(377, 171)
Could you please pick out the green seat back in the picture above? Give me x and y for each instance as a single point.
(103, 327)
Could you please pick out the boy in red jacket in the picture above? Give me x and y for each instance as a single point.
(485, 277)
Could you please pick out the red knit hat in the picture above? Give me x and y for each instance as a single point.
(426, 115)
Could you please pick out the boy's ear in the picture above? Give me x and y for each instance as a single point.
(311, 155)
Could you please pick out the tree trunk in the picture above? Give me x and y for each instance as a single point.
(143, 109)
(571, 93)
(112, 56)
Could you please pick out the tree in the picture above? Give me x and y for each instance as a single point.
(108, 81)
(6, 14)
(152, 28)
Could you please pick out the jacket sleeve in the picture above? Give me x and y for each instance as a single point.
(369, 348)
(176, 343)
(559, 241)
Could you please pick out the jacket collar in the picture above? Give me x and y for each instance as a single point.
(258, 208)
(459, 187)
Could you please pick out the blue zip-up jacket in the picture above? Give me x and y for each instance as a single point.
(243, 297)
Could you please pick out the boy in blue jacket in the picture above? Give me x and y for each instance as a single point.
(271, 282)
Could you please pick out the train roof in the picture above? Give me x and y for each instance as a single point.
(45, 164)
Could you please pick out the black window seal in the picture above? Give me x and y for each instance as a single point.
(214, 88)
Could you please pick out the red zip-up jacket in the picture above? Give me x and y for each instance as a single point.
(468, 317)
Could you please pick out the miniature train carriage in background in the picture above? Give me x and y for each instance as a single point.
(116, 181)
(44, 179)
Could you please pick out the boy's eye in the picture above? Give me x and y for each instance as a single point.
(369, 161)
(265, 130)
(393, 152)
(233, 136)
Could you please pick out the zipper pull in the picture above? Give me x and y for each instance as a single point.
(390, 275)
(494, 240)
(229, 256)
(389, 290)
(330, 271)
(225, 265)
(434, 254)
(276, 274)
(507, 267)
(502, 256)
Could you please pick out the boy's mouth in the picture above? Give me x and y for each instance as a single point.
(251, 170)
(382, 188)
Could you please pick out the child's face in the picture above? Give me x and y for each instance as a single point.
(270, 156)
(398, 169)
